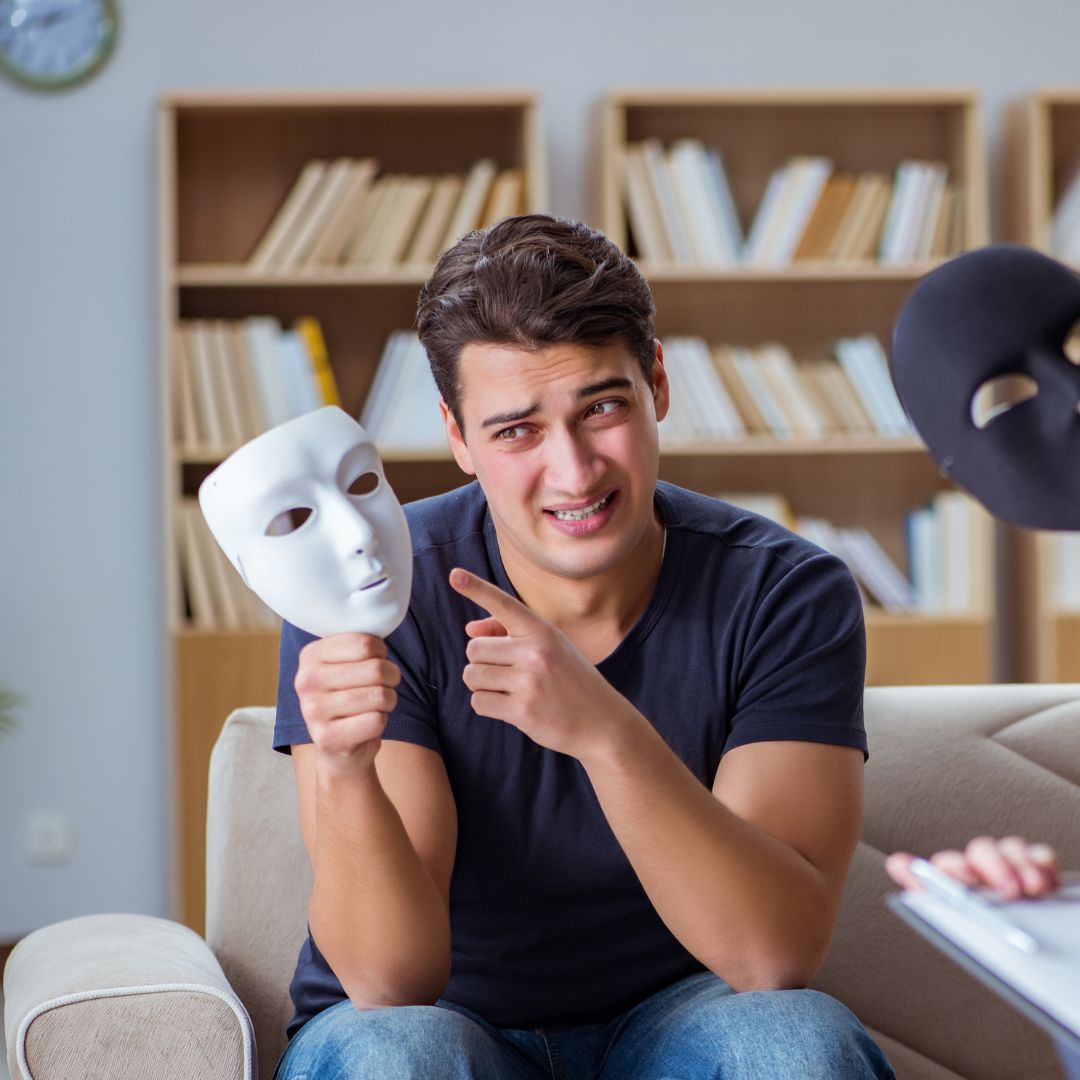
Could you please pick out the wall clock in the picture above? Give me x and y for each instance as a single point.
(51, 44)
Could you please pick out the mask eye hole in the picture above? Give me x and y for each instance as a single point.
(288, 521)
(1000, 394)
(365, 484)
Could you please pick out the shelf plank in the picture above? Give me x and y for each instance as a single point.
(810, 271)
(753, 447)
(238, 275)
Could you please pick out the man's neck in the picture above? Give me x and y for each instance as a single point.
(595, 612)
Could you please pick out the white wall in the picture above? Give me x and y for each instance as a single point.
(81, 622)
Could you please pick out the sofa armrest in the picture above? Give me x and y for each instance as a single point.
(115, 997)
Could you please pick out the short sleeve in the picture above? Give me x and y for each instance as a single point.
(413, 720)
(804, 660)
(289, 726)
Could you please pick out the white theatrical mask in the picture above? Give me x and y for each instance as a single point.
(306, 516)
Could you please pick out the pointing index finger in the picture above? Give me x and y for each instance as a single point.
(513, 614)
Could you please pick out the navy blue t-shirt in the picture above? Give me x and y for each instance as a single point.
(752, 634)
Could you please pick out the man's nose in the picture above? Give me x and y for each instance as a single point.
(573, 464)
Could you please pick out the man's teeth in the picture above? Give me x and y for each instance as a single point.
(584, 512)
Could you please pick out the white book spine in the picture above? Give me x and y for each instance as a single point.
(747, 365)
(729, 214)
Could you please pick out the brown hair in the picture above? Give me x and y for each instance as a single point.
(532, 281)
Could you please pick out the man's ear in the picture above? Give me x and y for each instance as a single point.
(660, 389)
(456, 440)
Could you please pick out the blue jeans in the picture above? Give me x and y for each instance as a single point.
(696, 1029)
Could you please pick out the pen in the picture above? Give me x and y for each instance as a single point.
(958, 894)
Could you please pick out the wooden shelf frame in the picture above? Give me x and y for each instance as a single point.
(807, 306)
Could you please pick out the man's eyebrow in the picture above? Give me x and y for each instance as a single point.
(616, 382)
(511, 417)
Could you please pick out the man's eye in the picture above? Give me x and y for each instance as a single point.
(511, 434)
(604, 408)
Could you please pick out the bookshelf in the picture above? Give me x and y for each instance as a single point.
(226, 162)
(869, 481)
(1041, 156)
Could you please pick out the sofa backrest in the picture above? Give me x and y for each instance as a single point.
(946, 764)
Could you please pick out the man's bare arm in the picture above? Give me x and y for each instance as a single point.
(380, 827)
(749, 876)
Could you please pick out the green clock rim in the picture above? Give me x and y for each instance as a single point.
(33, 82)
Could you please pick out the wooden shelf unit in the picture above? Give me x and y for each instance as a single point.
(872, 482)
(1042, 152)
(225, 163)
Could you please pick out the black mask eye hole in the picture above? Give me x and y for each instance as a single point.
(288, 521)
(1071, 348)
(1000, 394)
(365, 484)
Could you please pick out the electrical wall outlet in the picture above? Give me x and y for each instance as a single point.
(48, 837)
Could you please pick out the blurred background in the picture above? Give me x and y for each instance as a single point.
(88, 777)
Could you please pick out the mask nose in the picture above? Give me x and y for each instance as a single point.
(352, 531)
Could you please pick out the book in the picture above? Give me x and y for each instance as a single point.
(205, 379)
(379, 212)
(746, 364)
(662, 185)
(261, 340)
(317, 211)
(251, 400)
(310, 331)
(506, 198)
(689, 172)
(826, 218)
(1044, 985)
(646, 226)
(812, 174)
(725, 201)
(237, 430)
(875, 570)
(287, 218)
(723, 417)
(778, 191)
(331, 243)
(470, 206)
(194, 572)
(402, 221)
(185, 412)
(425, 246)
(806, 419)
(752, 416)
(865, 235)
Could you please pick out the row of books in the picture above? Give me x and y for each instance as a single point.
(234, 380)
(344, 213)
(949, 553)
(681, 210)
(731, 392)
(214, 595)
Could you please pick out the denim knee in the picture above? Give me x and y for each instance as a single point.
(421, 1041)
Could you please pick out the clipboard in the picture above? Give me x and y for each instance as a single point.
(1045, 987)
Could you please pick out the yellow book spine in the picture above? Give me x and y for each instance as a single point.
(310, 331)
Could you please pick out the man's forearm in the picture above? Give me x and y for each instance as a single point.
(748, 906)
(375, 912)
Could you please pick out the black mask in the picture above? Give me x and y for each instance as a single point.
(998, 311)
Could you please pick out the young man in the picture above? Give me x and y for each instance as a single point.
(589, 810)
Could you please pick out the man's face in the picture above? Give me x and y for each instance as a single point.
(564, 443)
(305, 514)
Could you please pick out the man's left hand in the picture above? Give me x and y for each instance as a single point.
(526, 672)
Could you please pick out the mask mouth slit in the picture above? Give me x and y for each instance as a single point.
(998, 395)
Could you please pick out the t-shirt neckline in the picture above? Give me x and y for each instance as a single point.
(671, 559)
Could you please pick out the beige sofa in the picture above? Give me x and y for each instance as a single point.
(112, 997)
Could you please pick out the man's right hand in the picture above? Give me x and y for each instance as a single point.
(1011, 866)
(346, 688)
